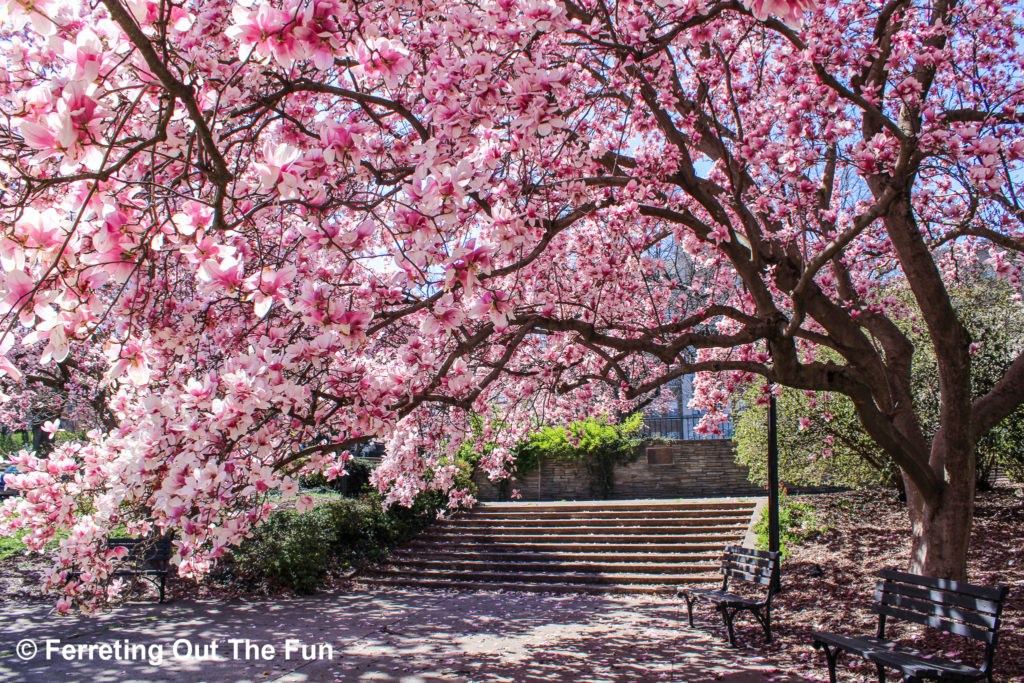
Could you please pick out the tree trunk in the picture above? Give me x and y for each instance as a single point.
(42, 444)
(941, 525)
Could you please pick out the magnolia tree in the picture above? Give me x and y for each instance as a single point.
(35, 391)
(294, 224)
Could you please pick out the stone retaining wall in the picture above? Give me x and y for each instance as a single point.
(677, 469)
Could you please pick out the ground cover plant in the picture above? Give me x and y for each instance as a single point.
(797, 522)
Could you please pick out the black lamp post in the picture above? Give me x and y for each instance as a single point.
(773, 478)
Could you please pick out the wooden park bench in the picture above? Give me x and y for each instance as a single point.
(149, 558)
(955, 607)
(742, 565)
(8, 493)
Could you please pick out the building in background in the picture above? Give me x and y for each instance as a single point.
(672, 418)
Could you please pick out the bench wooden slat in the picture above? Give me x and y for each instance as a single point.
(985, 592)
(718, 596)
(746, 567)
(746, 559)
(749, 567)
(748, 552)
(953, 627)
(939, 596)
(875, 649)
(927, 666)
(986, 621)
(747, 564)
(145, 551)
(898, 656)
(762, 578)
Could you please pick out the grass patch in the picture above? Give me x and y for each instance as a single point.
(11, 546)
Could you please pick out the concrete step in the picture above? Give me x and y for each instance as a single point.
(571, 547)
(522, 557)
(699, 504)
(463, 531)
(550, 567)
(703, 520)
(596, 588)
(638, 547)
(605, 514)
(582, 537)
(548, 577)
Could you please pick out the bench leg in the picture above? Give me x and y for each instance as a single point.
(766, 623)
(689, 608)
(163, 583)
(727, 617)
(831, 656)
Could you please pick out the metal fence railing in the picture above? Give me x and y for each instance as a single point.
(682, 428)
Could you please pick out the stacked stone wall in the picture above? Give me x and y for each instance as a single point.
(676, 469)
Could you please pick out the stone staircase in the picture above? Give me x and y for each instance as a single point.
(640, 546)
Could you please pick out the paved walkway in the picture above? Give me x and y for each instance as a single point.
(377, 636)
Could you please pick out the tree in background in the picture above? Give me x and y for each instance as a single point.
(367, 220)
(68, 393)
(821, 441)
(994, 316)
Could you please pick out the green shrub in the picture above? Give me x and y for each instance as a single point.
(317, 481)
(12, 546)
(600, 444)
(797, 522)
(297, 550)
(466, 460)
(12, 442)
(833, 449)
(996, 323)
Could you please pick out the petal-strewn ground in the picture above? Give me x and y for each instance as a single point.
(434, 636)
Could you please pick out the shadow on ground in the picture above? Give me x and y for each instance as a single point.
(388, 636)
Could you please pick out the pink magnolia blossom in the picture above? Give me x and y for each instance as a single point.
(790, 11)
(385, 58)
(270, 286)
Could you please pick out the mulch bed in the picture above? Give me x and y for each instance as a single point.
(829, 581)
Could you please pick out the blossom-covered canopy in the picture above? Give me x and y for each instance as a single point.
(291, 225)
